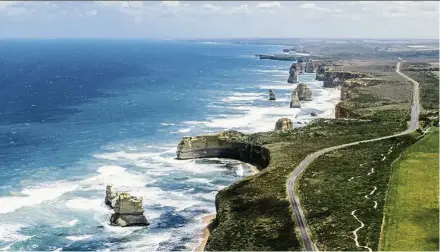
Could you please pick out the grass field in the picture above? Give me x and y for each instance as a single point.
(411, 212)
(346, 180)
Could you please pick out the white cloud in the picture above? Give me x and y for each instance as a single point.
(211, 7)
(269, 5)
(171, 3)
(242, 9)
(312, 6)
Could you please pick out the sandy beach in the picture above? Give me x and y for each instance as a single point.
(207, 220)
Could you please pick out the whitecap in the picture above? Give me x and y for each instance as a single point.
(78, 237)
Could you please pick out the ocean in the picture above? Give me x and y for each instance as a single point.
(77, 115)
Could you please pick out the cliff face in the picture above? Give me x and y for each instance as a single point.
(223, 145)
(310, 67)
(336, 78)
(343, 112)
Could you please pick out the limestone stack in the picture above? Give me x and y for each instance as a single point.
(129, 210)
(293, 74)
(310, 67)
(300, 66)
(304, 92)
(294, 103)
(271, 95)
(283, 124)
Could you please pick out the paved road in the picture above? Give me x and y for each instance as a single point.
(297, 211)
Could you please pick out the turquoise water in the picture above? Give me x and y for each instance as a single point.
(80, 114)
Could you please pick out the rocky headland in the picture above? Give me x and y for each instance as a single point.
(227, 144)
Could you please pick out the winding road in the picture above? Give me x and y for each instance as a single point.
(297, 211)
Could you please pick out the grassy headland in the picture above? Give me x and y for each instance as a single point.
(411, 212)
(337, 183)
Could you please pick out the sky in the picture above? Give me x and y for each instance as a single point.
(221, 19)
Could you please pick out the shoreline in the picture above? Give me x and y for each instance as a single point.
(207, 219)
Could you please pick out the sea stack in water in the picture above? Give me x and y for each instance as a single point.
(293, 74)
(271, 95)
(283, 124)
(129, 210)
(110, 196)
(300, 66)
(304, 92)
(310, 67)
(294, 103)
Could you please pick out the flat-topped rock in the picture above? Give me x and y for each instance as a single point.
(129, 210)
(228, 144)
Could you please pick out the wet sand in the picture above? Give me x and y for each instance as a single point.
(207, 220)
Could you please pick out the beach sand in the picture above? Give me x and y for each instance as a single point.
(207, 220)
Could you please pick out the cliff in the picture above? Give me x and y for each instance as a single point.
(342, 111)
(336, 78)
(227, 144)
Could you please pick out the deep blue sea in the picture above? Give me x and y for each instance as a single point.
(77, 115)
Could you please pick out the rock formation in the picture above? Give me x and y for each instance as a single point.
(343, 112)
(283, 124)
(293, 74)
(294, 103)
(310, 67)
(110, 196)
(304, 92)
(227, 144)
(129, 211)
(313, 113)
(300, 66)
(336, 78)
(271, 95)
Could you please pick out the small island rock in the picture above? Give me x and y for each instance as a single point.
(271, 95)
(283, 124)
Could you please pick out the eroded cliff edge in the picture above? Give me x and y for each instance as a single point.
(227, 144)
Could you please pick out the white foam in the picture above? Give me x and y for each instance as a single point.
(72, 222)
(167, 124)
(84, 204)
(78, 237)
(35, 195)
(114, 175)
(10, 233)
(240, 171)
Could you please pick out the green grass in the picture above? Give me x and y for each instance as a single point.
(335, 184)
(412, 213)
(254, 213)
(429, 88)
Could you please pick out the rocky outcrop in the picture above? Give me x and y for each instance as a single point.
(310, 67)
(283, 124)
(304, 92)
(271, 95)
(313, 113)
(227, 144)
(343, 112)
(320, 71)
(294, 103)
(293, 74)
(336, 78)
(300, 66)
(129, 211)
(110, 196)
